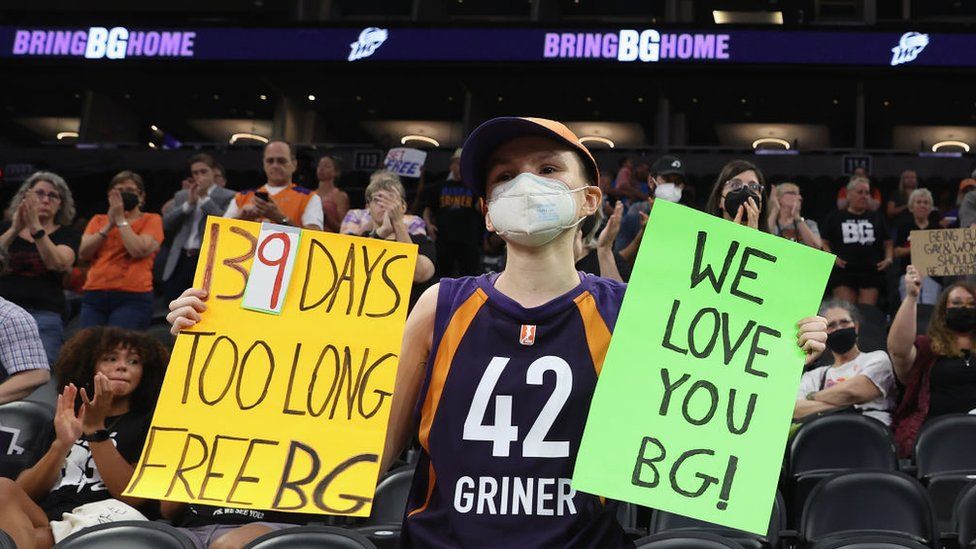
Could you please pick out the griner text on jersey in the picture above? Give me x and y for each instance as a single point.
(514, 496)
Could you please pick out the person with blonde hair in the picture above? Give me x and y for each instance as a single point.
(919, 218)
(786, 219)
(41, 243)
(360, 221)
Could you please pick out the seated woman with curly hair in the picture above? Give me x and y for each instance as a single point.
(96, 438)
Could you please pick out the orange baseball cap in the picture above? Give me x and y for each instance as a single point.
(966, 183)
(492, 134)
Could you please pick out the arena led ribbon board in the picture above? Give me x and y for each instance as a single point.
(626, 46)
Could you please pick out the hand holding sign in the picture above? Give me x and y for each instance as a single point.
(945, 252)
(692, 408)
(405, 161)
(913, 282)
(287, 412)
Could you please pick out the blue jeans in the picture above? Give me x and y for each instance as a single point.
(51, 327)
(130, 310)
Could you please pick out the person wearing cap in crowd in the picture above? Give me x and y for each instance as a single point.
(966, 201)
(507, 342)
(951, 218)
(455, 222)
(279, 200)
(665, 181)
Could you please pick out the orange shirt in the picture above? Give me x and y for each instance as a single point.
(112, 267)
(291, 201)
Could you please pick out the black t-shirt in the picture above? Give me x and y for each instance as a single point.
(425, 248)
(952, 385)
(903, 234)
(79, 481)
(857, 238)
(29, 283)
(454, 209)
(590, 263)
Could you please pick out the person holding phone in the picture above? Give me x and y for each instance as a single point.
(279, 200)
(121, 246)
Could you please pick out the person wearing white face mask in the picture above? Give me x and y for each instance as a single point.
(482, 356)
(666, 182)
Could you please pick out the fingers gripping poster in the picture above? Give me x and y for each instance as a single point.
(281, 403)
(695, 398)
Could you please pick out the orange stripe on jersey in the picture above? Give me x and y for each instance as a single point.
(456, 328)
(597, 333)
(431, 478)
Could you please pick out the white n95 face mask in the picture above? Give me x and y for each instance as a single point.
(668, 191)
(532, 210)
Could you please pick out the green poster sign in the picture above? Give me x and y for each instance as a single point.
(696, 395)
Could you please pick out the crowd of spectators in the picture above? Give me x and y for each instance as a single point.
(107, 375)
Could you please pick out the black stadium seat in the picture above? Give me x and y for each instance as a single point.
(868, 503)
(385, 536)
(627, 516)
(390, 499)
(945, 454)
(871, 541)
(872, 336)
(964, 516)
(835, 443)
(23, 427)
(685, 540)
(662, 521)
(130, 534)
(312, 537)
(6, 542)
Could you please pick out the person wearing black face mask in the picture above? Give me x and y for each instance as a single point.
(740, 195)
(121, 245)
(937, 369)
(859, 379)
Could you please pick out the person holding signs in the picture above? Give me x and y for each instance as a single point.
(860, 238)
(110, 379)
(862, 380)
(499, 370)
(919, 219)
(936, 369)
(279, 200)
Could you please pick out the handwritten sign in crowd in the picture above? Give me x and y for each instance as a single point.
(695, 399)
(405, 161)
(944, 252)
(286, 412)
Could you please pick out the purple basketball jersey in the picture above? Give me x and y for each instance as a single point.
(501, 415)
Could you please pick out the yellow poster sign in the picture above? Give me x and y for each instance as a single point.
(286, 411)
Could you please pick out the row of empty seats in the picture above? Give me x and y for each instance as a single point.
(856, 510)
